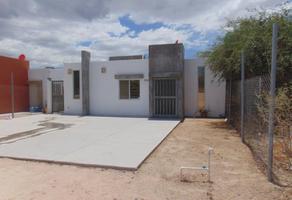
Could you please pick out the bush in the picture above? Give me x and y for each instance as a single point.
(283, 121)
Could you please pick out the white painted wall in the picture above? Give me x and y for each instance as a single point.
(215, 94)
(46, 75)
(214, 90)
(71, 106)
(104, 89)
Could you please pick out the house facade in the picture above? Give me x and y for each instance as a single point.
(164, 85)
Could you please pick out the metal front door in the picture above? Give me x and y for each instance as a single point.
(57, 96)
(165, 100)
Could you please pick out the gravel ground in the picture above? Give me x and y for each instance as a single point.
(234, 172)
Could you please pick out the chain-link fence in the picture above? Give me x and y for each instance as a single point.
(255, 126)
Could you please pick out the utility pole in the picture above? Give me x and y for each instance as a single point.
(272, 102)
(12, 94)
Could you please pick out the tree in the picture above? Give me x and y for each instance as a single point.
(253, 35)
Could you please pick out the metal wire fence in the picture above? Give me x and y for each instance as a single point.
(255, 133)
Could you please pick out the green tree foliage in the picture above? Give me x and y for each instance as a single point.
(254, 36)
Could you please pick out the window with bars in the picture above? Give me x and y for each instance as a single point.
(129, 89)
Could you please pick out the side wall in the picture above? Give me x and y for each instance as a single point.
(215, 95)
(214, 90)
(191, 88)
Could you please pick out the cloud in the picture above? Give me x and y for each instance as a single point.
(51, 32)
(68, 9)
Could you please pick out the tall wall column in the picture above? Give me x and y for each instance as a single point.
(167, 61)
(85, 62)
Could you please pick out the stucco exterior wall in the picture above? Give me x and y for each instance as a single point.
(214, 90)
(215, 94)
(104, 89)
(167, 61)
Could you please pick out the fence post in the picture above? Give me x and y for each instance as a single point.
(12, 94)
(230, 99)
(272, 102)
(242, 97)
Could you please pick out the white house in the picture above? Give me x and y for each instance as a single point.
(165, 85)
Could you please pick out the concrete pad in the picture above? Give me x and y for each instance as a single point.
(18, 125)
(116, 142)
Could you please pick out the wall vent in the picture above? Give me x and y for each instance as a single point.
(103, 70)
(70, 71)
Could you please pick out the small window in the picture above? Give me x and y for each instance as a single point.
(201, 88)
(129, 89)
(201, 79)
(76, 84)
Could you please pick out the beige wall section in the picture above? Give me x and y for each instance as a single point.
(190, 88)
(35, 93)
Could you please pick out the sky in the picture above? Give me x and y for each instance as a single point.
(51, 32)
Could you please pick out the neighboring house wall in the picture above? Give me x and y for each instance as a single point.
(46, 76)
(19, 69)
(104, 89)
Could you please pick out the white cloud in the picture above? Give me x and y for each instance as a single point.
(49, 31)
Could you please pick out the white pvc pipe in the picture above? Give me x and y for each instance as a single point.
(208, 168)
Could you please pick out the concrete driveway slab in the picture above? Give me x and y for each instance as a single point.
(116, 142)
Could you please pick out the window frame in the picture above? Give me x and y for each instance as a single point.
(129, 89)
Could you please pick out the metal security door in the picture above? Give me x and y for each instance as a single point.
(57, 96)
(165, 99)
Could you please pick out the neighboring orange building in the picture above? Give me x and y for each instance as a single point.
(19, 68)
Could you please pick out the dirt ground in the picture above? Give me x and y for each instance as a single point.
(234, 172)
